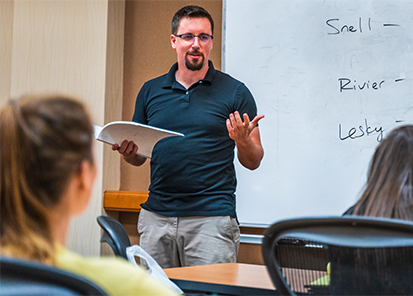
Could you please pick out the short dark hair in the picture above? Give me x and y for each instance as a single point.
(190, 11)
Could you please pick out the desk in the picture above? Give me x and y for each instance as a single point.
(225, 278)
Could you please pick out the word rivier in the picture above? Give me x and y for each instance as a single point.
(361, 131)
(348, 84)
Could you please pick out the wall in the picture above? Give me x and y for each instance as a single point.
(6, 33)
(75, 48)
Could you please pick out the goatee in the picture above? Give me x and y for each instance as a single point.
(194, 66)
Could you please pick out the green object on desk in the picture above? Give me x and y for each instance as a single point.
(323, 281)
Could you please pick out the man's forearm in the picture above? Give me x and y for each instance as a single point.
(135, 160)
(250, 154)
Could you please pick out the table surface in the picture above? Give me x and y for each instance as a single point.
(228, 274)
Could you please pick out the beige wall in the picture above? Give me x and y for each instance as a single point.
(6, 33)
(75, 48)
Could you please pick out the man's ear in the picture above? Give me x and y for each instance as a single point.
(173, 41)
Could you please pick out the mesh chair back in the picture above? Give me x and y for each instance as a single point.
(371, 271)
(366, 256)
(114, 234)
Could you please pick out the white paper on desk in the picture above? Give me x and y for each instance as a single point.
(144, 136)
(154, 270)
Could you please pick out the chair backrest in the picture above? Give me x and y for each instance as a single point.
(27, 278)
(364, 255)
(115, 235)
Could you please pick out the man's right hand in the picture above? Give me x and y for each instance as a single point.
(128, 151)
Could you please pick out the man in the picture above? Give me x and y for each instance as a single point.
(189, 217)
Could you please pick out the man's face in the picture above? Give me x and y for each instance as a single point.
(193, 55)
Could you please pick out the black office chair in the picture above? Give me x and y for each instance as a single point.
(27, 278)
(367, 256)
(115, 235)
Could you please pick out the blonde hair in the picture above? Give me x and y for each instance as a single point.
(43, 141)
(389, 188)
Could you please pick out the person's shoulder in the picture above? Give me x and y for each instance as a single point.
(114, 274)
(226, 76)
(164, 79)
(228, 81)
(134, 280)
(156, 80)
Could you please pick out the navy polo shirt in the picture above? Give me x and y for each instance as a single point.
(193, 175)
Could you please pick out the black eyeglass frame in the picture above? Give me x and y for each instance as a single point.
(210, 37)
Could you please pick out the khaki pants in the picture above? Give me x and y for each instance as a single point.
(188, 241)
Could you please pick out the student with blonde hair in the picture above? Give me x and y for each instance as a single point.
(47, 171)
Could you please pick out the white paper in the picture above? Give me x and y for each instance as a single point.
(144, 136)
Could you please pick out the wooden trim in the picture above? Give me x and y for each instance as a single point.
(126, 201)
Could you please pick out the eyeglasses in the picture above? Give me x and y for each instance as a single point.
(190, 38)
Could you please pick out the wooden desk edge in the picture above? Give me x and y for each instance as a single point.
(207, 288)
(129, 201)
(223, 273)
(224, 278)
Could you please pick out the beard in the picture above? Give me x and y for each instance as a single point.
(194, 66)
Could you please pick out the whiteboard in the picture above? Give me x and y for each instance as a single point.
(332, 79)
